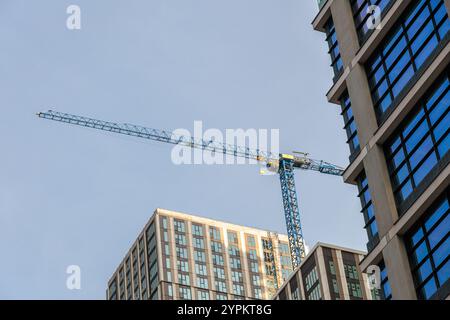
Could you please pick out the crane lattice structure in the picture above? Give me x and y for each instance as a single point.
(283, 164)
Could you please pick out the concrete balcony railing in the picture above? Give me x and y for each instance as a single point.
(321, 3)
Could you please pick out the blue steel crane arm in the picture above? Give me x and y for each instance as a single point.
(285, 165)
(169, 137)
(160, 135)
(321, 166)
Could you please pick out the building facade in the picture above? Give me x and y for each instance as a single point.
(392, 79)
(182, 257)
(328, 272)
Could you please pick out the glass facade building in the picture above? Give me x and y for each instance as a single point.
(364, 14)
(336, 61)
(408, 46)
(349, 124)
(429, 246)
(421, 142)
(395, 101)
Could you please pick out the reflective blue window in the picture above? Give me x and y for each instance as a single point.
(385, 286)
(336, 61)
(368, 211)
(362, 14)
(349, 123)
(409, 44)
(421, 141)
(428, 246)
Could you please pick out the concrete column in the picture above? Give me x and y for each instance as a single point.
(159, 258)
(226, 258)
(362, 106)
(209, 262)
(340, 274)
(398, 270)
(447, 4)
(190, 248)
(380, 189)
(244, 261)
(322, 274)
(347, 37)
(173, 258)
(300, 284)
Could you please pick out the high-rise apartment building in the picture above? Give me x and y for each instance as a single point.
(392, 79)
(328, 272)
(180, 256)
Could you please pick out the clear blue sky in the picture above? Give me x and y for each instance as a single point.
(72, 195)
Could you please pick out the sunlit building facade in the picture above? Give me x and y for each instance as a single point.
(392, 82)
(184, 257)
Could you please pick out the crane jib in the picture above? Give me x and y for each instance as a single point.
(284, 164)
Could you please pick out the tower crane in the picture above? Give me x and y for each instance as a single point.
(283, 164)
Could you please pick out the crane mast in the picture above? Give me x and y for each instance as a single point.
(283, 164)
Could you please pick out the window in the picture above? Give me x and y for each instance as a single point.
(418, 32)
(315, 294)
(182, 253)
(200, 269)
(179, 226)
(285, 273)
(113, 291)
(235, 263)
(221, 286)
(232, 237)
(183, 279)
(267, 244)
(332, 267)
(385, 286)
(362, 14)
(252, 254)
(216, 246)
(185, 293)
(233, 250)
(368, 211)
(183, 266)
(214, 233)
(256, 280)
(197, 230)
(257, 293)
(335, 286)
(351, 272)
(198, 243)
(180, 239)
(164, 222)
(202, 295)
(284, 248)
(336, 61)
(238, 289)
(236, 276)
(202, 282)
(217, 259)
(254, 267)
(349, 123)
(286, 261)
(295, 290)
(220, 296)
(354, 290)
(219, 273)
(251, 241)
(199, 256)
(311, 279)
(421, 141)
(428, 247)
